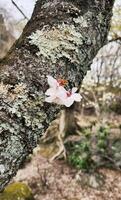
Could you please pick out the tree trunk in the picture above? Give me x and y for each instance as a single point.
(70, 34)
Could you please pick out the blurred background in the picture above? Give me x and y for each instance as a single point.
(13, 17)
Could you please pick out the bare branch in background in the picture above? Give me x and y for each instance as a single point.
(18, 8)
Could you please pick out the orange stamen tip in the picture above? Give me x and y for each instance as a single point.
(62, 82)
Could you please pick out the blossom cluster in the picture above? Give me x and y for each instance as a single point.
(59, 95)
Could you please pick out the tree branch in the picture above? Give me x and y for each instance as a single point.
(70, 34)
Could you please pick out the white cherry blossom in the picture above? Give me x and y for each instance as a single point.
(59, 95)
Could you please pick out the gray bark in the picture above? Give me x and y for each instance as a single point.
(80, 29)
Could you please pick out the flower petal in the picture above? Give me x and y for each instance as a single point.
(61, 93)
(77, 97)
(58, 101)
(50, 92)
(52, 82)
(68, 101)
(49, 99)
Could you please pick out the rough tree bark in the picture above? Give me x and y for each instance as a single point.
(70, 34)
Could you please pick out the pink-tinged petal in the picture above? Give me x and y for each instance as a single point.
(61, 92)
(52, 82)
(58, 101)
(61, 88)
(68, 102)
(77, 97)
(74, 89)
(49, 99)
(50, 92)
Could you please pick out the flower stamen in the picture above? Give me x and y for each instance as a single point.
(69, 93)
(62, 82)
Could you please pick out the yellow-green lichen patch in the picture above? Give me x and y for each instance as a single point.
(18, 104)
(81, 20)
(30, 110)
(57, 42)
(3, 89)
(33, 112)
(100, 17)
(17, 191)
(11, 94)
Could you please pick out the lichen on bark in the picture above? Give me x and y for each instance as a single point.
(24, 116)
(62, 41)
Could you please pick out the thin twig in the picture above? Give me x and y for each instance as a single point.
(19, 9)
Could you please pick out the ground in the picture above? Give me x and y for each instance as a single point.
(57, 180)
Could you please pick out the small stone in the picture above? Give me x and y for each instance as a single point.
(96, 180)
